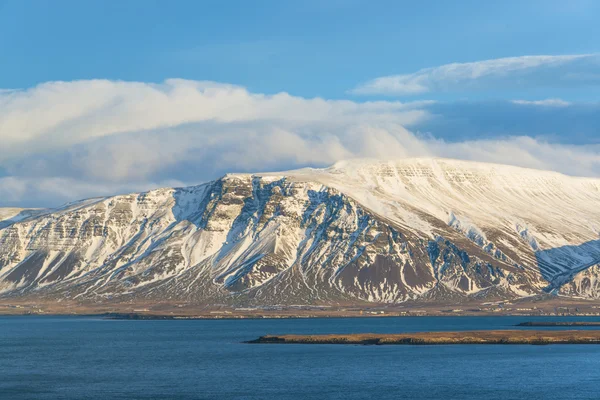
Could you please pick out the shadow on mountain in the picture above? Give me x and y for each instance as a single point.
(16, 218)
(196, 204)
(559, 265)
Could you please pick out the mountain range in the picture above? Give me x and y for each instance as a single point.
(359, 232)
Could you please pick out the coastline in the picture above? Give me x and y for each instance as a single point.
(528, 307)
(170, 317)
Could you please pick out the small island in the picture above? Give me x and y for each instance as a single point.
(443, 338)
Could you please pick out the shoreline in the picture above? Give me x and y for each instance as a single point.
(559, 323)
(548, 307)
(125, 316)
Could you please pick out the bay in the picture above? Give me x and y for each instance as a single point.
(56, 357)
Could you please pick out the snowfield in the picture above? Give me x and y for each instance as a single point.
(360, 230)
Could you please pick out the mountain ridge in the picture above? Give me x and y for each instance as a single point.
(357, 232)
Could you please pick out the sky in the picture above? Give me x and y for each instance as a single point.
(101, 97)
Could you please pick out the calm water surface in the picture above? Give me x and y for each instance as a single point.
(91, 358)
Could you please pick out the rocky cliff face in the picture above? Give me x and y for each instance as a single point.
(425, 230)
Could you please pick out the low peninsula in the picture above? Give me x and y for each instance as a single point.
(443, 338)
(559, 323)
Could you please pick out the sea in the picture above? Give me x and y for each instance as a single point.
(57, 357)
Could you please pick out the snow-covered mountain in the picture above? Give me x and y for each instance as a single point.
(359, 231)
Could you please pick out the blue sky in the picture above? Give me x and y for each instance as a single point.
(82, 83)
(306, 48)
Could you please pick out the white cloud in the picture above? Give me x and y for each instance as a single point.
(59, 114)
(543, 103)
(62, 141)
(501, 72)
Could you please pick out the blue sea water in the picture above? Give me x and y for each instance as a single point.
(93, 358)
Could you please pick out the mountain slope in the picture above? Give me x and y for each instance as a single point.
(360, 231)
(555, 215)
(9, 216)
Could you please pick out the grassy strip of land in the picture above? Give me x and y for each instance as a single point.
(432, 338)
(560, 323)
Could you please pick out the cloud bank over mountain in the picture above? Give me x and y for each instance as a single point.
(62, 141)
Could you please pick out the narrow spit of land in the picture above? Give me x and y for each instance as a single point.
(559, 323)
(432, 338)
